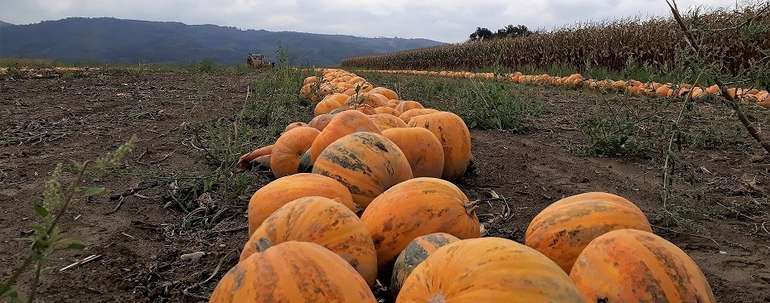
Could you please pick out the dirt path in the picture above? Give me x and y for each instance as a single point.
(45, 121)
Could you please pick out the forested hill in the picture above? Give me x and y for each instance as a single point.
(131, 41)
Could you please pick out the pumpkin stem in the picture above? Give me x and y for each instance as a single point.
(263, 244)
(472, 206)
(471, 209)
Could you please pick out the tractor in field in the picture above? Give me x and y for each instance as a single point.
(258, 61)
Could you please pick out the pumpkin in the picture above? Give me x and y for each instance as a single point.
(713, 90)
(307, 90)
(664, 91)
(408, 115)
(488, 270)
(634, 90)
(393, 103)
(356, 80)
(342, 124)
(388, 93)
(415, 253)
(310, 80)
(421, 148)
(366, 109)
(288, 150)
(455, 138)
(275, 194)
(387, 110)
(349, 91)
(732, 92)
(636, 266)
(371, 99)
(322, 221)
(683, 91)
(336, 98)
(697, 93)
(386, 121)
(564, 228)
(619, 85)
(292, 272)
(294, 125)
(367, 163)
(415, 208)
(763, 99)
(320, 121)
(244, 162)
(404, 106)
(326, 106)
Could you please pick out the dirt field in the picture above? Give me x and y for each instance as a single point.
(45, 121)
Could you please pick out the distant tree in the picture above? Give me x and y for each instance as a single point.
(509, 31)
(481, 34)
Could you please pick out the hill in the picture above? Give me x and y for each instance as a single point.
(4, 24)
(131, 41)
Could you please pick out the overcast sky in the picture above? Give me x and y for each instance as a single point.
(445, 20)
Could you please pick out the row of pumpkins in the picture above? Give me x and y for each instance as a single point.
(376, 204)
(631, 87)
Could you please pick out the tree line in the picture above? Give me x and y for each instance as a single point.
(510, 31)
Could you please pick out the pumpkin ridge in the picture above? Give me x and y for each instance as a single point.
(668, 265)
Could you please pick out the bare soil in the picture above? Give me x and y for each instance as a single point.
(51, 120)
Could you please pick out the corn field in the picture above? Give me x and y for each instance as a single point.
(732, 40)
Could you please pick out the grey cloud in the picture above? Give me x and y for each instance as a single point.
(449, 20)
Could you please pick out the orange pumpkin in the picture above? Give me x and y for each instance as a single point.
(342, 124)
(697, 93)
(387, 121)
(415, 253)
(713, 90)
(408, 115)
(564, 228)
(636, 266)
(307, 90)
(337, 98)
(366, 109)
(349, 91)
(404, 106)
(367, 163)
(310, 80)
(393, 103)
(388, 93)
(292, 272)
(415, 208)
(320, 121)
(488, 270)
(664, 91)
(275, 194)
(326, 106)
(763, 99)
(387, 110)
(373, 100)
(619, 85)
(294, 125)
(732, 92)
(634, 90)
(421, 148)
(288, 150)
(322, 221)
(455, 138)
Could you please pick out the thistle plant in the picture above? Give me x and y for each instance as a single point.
(47, 237)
